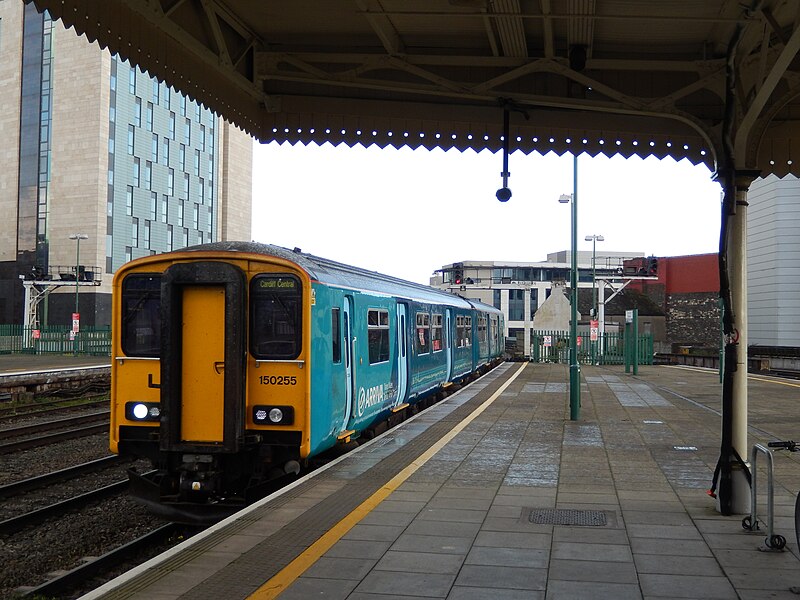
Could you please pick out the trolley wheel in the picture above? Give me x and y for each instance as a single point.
(776, 542)
(747, 525)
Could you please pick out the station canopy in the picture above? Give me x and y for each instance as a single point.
(712, 81)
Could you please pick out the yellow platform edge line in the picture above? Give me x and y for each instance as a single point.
(286, 576)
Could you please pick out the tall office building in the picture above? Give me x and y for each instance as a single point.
(101, 163)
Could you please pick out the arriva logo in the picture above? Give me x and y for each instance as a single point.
(370, 397)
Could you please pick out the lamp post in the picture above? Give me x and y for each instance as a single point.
(574, 366)
(594, 239)
(77, 237)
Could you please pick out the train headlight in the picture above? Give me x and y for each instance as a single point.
(273, 415)
(142, 411)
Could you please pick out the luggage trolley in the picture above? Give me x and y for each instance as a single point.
(772, 541)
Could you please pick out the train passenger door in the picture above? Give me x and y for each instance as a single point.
(448, 341)
(348, 361)
(402, 353)
(202, 357)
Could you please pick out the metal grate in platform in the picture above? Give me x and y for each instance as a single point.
(567, 516)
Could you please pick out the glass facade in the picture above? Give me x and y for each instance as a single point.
(149, 164)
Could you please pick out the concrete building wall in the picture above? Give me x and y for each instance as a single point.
(10, 82)
(236, 181)
(773, 255)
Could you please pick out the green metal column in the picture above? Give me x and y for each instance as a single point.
(574, 366)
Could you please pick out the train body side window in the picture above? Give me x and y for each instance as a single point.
(336, 335)
(436, 332)
(468, 331)
(378, 335)
(141, 315)
(482, 338)
(276, 317)
(423, 333)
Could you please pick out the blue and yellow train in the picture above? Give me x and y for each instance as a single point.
(235, 363)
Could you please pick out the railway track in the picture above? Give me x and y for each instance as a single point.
(16, 410)
(73, 427)
(91, 569)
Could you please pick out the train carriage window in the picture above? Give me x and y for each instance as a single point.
(336, 335)
(276, 317)
(436, 332)
(468, 331)
(423, 334)
(482, 338)
(141, 315)
(459, 331)
(378, 335)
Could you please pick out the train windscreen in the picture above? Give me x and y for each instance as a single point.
(141, 315)
(276, 317)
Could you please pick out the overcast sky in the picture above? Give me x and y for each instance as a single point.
(406, 213)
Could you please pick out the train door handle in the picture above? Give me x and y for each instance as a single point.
(219, 366)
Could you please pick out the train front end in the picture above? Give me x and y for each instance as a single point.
(209, 378)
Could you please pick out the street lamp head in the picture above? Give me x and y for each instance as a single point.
(78, 236)
(565, 198)
(503, 194)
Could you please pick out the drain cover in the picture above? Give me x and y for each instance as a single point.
(566, 516)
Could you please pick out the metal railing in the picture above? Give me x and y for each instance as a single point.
(93, 341)
(553, 346)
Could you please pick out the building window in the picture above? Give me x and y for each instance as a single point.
(136, 171)
(154, 148)
(437, 340)
(148, 175)
(147, 234)
(166, 96)
(423, 333)
(131, 138)
(182, 157)
(183, 106)
(516, 305)
(185, 236)
(153, 205)
(165, 151)
(128, 253)
(169, 238)
(197, 162)
(137, 112)
(172, 125)
(129, 201)
(197, 112)
(164, 208)
(378, 335)
(180, 213)
(135, 232)
(149, 116)
(186, 185)
(208, 225)
(171, 182)
(196, 216)
(156, 90)
(202, 190)
(203, 138)
(132, 80)
(187, 132)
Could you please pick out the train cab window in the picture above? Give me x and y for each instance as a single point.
(276, 317)
(336, 335)
(436, 332)
(141, 315)
(423, 334)
(378, 335)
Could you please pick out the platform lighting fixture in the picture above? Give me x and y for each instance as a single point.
(594, 239)
(574, 365)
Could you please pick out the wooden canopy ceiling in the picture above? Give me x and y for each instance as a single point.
(713, 81)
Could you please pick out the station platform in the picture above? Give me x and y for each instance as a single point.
(495, 493)
(16, 364)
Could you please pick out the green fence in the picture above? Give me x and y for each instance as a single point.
(94, 341)
(553, 346)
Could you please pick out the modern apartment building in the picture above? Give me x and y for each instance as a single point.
(101, 163)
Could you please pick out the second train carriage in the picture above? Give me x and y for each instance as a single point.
(234, 362)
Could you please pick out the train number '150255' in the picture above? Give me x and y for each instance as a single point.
(277, 380)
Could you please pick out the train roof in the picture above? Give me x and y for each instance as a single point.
(335, 273)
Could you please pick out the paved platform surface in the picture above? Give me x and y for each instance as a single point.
(517, 502)
(12, 364)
